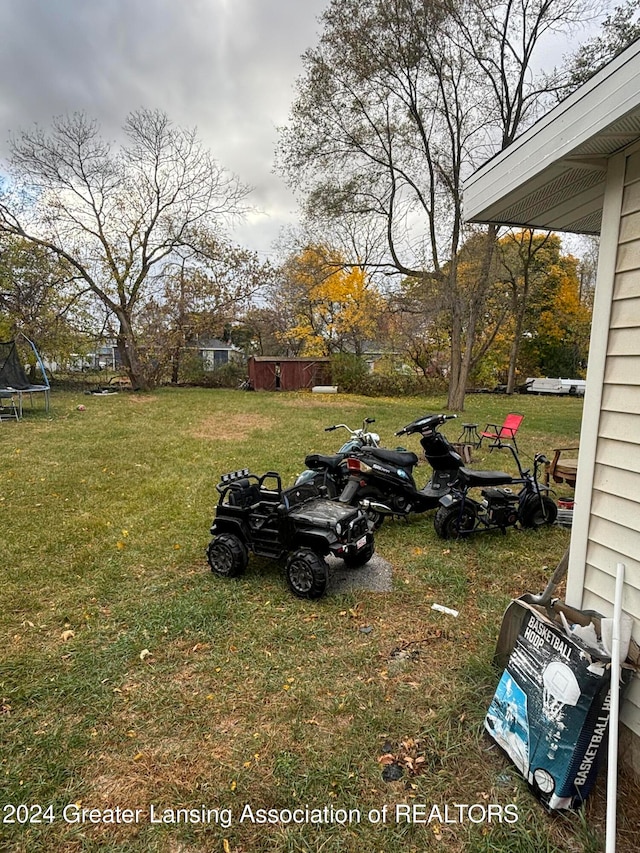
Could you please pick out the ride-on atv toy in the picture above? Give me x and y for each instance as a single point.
(255, 514)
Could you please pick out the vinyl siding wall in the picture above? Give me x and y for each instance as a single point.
(614, 523)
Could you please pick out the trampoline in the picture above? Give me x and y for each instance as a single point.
(14, 382)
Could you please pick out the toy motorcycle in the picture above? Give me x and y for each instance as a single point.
(331, 472)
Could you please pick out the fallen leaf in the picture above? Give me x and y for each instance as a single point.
(144, 654)
(67, 635)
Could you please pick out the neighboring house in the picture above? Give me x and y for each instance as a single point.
(215, 353)
(104, 356)
(375, 355)
(578, 170)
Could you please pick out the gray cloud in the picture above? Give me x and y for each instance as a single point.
(227, 67)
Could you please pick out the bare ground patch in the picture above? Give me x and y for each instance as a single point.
(318, 401)
(141, 399)
(230, 427)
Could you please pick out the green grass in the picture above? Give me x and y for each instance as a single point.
(248, 696)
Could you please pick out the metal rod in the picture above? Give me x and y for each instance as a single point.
(612, 772)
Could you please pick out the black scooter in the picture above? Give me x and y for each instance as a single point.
(382, 481)
(461, 515)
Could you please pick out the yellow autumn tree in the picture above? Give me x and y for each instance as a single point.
(562, 336)
(333, 307)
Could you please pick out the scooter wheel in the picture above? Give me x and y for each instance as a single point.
(451, 523)
(307, 573)
(227, 555)
(536, 512)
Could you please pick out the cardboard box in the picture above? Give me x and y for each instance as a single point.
(550, 711)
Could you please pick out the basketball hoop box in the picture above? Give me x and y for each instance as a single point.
(550, 711)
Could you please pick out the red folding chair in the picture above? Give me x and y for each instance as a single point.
(506, 432)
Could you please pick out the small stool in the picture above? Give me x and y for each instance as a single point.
(8, 409)
(469, 435)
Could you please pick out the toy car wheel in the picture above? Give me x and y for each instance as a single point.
(307, 573)
(450, 524)
(536, 512)
(227, 555)
(359, 558)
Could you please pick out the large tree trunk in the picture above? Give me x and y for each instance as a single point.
(457, 380)
(515, 351)
(462, 356)
(127, 347)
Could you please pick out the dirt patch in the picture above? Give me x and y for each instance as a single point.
(319, 401)
(231, 427)
(141, 399)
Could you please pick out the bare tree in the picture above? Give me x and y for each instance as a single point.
(398, 103)
(525, 257)
(116, 213)
(200, 296)
(618, 29)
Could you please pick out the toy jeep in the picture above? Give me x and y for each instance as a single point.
(298, 524)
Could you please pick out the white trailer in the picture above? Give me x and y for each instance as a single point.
(572, 387)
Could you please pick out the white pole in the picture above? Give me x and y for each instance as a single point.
(612, 771)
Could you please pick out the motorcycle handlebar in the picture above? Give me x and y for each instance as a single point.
(414, 426)
(348, 428)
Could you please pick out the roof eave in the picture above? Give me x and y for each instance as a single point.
(553, 176)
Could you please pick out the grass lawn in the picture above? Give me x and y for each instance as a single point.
(132, 677)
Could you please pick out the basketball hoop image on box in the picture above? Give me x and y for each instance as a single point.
(559, 688)
(550, 711)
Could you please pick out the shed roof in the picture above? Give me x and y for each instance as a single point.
(292, 358)
(553, 176)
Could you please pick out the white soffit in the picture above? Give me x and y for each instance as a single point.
(553, 175)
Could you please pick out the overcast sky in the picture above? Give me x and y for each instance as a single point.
(227, 67)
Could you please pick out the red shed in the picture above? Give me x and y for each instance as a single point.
(270, 373)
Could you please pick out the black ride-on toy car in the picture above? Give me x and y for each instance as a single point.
(255, 514)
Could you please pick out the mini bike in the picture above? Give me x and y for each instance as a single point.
(501, 507)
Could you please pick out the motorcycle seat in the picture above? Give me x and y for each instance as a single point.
(470, 477)
(316, 461)
(400, 458)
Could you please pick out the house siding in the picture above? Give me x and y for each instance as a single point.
(614, 524)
